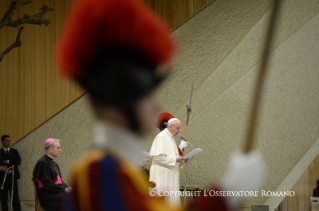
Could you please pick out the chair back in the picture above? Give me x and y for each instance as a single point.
(314, 203)
(37, 206)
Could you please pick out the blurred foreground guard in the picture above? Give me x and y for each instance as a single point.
(113, 49)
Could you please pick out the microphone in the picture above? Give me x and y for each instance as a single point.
(181, 137)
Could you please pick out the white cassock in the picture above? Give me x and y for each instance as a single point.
(164, 170)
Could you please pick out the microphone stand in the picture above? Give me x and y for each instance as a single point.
(185, 165)
(186, 179)
(4, 179)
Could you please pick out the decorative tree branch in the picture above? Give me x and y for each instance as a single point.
(12, 8)
(30, 19)
(34, 19)
(16, 44)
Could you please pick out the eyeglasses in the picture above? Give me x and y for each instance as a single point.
(178, 128)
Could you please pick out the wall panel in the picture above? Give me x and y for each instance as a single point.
(30, 92)
(176, 11)
(303, 188)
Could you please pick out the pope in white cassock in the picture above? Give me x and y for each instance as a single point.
(166, 161)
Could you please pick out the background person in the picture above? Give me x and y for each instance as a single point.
(146, 161)
(9, 157)
(47, 175)
(166, 161)
(315, 192)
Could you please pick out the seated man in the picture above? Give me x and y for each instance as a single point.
(47, 175)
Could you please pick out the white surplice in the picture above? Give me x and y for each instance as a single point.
(164, 170)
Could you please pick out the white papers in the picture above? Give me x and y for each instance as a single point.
(192, 153)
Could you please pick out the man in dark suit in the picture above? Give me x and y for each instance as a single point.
(315, 192)
(9, 157)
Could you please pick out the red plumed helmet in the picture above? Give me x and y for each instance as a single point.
(96, 24)
(163, 117)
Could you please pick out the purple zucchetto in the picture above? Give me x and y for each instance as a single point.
(47, 142)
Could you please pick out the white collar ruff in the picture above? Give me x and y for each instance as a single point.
(125, 142)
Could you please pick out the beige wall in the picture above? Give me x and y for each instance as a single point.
(219, 54)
